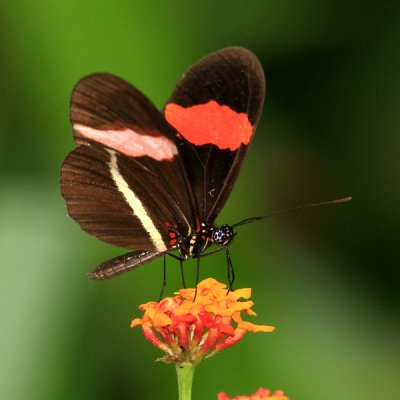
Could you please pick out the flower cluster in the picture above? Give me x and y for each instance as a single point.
(197, 324)
(260, 394)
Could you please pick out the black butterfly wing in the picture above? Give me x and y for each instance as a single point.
(125, 182)
(215, 109)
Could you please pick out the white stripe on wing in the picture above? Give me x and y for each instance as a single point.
(134, 203)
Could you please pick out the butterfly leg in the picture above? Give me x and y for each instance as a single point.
(164, 283)
(181, 260)
(212, 252)
(182, 273)
(231, 271)
(197, 277)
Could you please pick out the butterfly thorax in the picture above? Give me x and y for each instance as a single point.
(193, 245)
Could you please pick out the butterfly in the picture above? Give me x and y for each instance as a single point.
(155, 181)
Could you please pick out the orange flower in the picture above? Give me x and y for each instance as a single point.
(188, 331)
(258, 395)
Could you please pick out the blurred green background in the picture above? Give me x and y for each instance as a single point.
(327, 278)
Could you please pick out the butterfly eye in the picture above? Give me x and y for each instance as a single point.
(219, 236)
(222, 236)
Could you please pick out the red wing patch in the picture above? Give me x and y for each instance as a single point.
(210, 123)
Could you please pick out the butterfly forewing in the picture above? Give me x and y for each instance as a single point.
(215, 108)
(105, 101)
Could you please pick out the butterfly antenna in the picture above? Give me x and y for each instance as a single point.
(288, 210)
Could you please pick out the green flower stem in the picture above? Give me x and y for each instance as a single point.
(185, 374)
